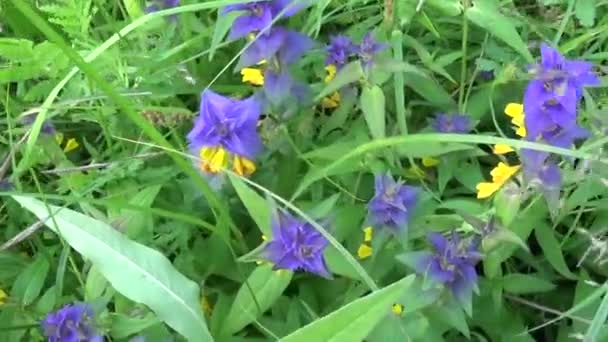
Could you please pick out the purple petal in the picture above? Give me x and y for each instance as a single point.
(246, 24)
(551, 58)
(277, 86)
(438, 274)
(263, 48)
(295, 45)
(291, 7)
(438, 241)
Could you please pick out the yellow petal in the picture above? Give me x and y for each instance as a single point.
(502, 172)
(252, 76)
(332, 101)
(369, 232)
(521, 131)
(485, 190)
(429, 162)
(71, 145)
(213, 159)
(264, 238)
(364, 251)
(3, 297)
(243, 166)
(331, 72)
(514, 110)
(502, 149)
(397, 309)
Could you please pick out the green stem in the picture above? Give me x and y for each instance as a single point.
(399, 82)
(463, 65)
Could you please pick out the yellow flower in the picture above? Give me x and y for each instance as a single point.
(70, 145)
(516, 112)
(252, 76)
(3, 297)
(369, 232)
(500, 175)
(331, 101)
(502, 149)
(397, 309)
(429, 162)
(243, 166)
(213, 159)
(364, 251)
(331, 72)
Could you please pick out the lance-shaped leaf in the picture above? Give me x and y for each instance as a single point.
(138, 272)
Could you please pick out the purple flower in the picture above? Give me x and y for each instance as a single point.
(368, 49)
(158, 5)
(286, 46)
(539, 170)
(72, 323)
(392, 203)
(486, 75)
(296, 245)
(551, 98)
(456, 123)
(565, 137)
(259, 15)
(47, 126)
(230, 124)
(280, 87)
(556, 69)
(340, 48)
(5, 185)
(451, 264)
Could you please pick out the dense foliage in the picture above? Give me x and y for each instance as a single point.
(303, 170)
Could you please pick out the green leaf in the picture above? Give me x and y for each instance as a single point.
(430, 90)
(222, 26)
(138, 272)
(485, 13)
(29, 283)
(416, 149)
(266, 285)
(585, 12)
(351, 72)
(519, 283)
(256, 205)
(354, 321)
(552, 250)
(135, 221)
(372, 104)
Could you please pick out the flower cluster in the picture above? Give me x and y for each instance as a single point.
(272, 49)
(340, 50)
(452, 264)
(72, 323)
(296, 245)
(226, 131)
(550, 103)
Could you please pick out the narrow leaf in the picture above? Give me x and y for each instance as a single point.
(552, 250)
(350, 73)
(354, 321)
(266, 285)
(138, 272)
(256, 205)
(485, 13)
(372, 104)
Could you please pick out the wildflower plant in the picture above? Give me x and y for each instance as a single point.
(296, 169)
